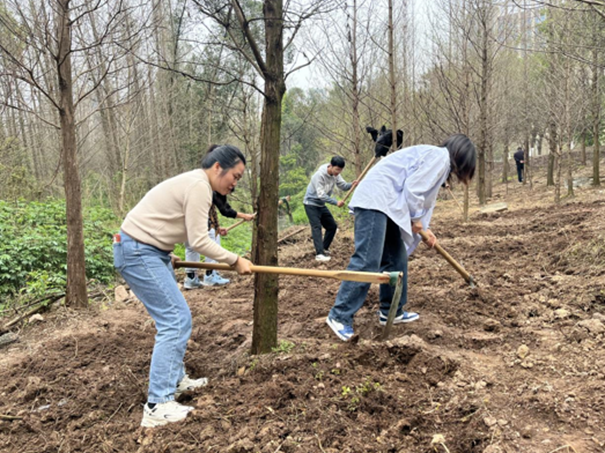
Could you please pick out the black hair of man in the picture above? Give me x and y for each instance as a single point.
(227, 156)
(463, 156)
(337, 161)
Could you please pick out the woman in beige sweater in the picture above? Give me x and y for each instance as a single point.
(173, 212)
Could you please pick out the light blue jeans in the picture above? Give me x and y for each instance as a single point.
(192, 255)
(378, 248)
(148, 272)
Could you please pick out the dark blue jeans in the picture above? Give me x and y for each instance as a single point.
(320, 216)
(520, 172)
(378, 248)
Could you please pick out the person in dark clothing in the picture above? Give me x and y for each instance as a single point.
(520, 161)
(319, 192)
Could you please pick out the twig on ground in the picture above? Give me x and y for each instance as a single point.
(319, 442)
(114, 413)
(291, 234)
(37, 301)
(564, 446)
(10, 418)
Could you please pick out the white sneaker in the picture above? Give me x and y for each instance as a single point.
(164, 413)
(187, 384)
(321, 257)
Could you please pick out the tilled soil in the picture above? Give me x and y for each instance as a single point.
(513, 365)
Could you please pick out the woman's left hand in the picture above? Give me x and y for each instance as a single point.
(431, 241)
(222, 232)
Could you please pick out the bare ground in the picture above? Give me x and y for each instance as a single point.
(514, 365)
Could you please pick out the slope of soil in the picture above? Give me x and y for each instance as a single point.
(514, 365)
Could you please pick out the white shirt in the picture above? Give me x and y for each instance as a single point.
(404, 186)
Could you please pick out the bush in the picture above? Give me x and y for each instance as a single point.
(33, 252)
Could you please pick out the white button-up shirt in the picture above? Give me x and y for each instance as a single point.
(404, 186)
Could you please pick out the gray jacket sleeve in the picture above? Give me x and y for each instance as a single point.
(342, 184)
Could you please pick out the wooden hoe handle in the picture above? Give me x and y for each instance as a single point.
(450, 260)
(230, 227)
(363, 173)
(353, 276)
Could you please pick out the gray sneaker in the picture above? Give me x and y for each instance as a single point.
(187, 384)
(192, 283)
(321, 257)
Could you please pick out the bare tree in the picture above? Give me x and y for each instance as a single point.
(278, 24)
(44, 33)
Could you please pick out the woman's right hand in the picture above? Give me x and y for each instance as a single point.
(243, 266)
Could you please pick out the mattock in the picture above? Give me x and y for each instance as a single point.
(390, 278)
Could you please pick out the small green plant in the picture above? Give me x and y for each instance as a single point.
(253, 365)
(361, 391)
(284, 347)
(367, 387)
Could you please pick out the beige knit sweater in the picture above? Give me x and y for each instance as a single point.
(176, 211)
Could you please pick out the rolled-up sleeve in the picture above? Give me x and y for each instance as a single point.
(422, 184)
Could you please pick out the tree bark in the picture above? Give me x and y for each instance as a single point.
(266, 286)
(355, 95)
(596, 115)
(392, 78)
(76, 295)
(552, 153)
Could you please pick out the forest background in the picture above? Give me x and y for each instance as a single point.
(102, 100)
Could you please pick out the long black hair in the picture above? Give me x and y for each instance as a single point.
(463, 156)
(227, 156)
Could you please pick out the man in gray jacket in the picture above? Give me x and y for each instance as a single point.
(319, 192)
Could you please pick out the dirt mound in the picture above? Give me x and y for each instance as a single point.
(514, 365)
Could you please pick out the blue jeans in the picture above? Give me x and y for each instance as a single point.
(192, 255)
(378, 248)
(148, 272)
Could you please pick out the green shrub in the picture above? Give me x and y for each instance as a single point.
(33, 252)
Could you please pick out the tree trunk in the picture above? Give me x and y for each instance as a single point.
(355, 95)
(266, 286)
(392, 78)
(483, 151)
(540, 139)
(76, 295)
(505, 164)
(466, 201)
(552, 153)
(569, 128)
(526, 165)
(583, 147)
(558, 166)
(596, 115)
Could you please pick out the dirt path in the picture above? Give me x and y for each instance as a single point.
(515, 365)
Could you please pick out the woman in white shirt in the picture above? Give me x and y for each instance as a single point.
(392, 205)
